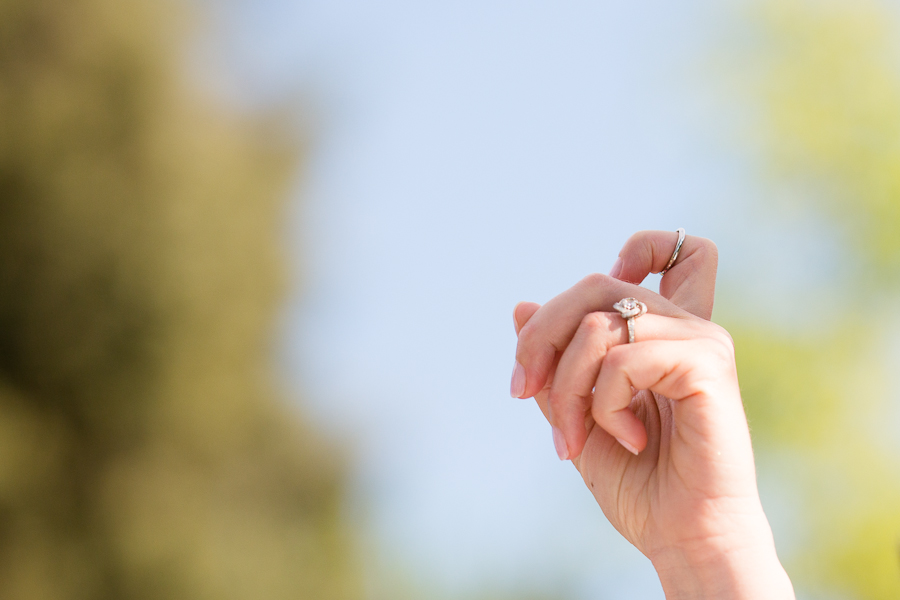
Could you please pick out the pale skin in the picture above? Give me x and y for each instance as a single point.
(670, 464)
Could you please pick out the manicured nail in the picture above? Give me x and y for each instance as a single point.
(515, 320)
(559, 442)
(517, 385)
(627, 446)
(616, 268)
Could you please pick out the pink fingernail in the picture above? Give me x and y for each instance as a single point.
(616, 268)
(515, 320)
(559, 442)
(627, 446)
(517, 384)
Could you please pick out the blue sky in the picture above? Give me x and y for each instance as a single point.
(464, 156)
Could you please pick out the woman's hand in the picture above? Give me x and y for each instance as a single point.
(656, 428)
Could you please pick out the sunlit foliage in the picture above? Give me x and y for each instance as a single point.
(143, 451)
(831, 95)
(822, 404)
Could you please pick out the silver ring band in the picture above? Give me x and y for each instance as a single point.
(680, 232)
(630, 309)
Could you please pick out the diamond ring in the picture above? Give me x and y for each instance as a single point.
(630, 309)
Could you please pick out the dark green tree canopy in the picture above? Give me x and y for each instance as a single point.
(143, 451)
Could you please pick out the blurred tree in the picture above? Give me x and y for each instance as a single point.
(831, 95)
(821, 403)
(143, 451)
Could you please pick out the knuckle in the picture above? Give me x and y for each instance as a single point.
(562, 405)
(530, 336)
(524, 344)
(637, 238)
(707, 247)
(525, 335)
(601, 412)
(595, 322)
(532, 350)
(723, 338)
(595, 280)
(616, 357)
(720, 353)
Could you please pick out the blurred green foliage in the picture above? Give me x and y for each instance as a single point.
(144, 453)
(822, 404)
(831, 94)
(819, 413)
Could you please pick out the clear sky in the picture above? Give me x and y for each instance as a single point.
(464, 156)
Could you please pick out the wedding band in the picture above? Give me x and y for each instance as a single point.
(630, 309)
(680, 232)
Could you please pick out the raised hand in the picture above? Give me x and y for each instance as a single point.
(656, 428)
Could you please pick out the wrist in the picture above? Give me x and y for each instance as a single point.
(733, 567)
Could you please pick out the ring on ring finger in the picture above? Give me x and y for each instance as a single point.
(630, 309)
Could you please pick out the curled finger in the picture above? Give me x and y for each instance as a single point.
(697, 373)
(572, 391)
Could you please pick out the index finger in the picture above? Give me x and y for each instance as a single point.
(690, 282)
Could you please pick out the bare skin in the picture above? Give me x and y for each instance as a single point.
(656, 428)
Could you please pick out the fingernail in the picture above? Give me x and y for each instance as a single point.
(616, 268)
(517, 385)
(515, 320)
(627, 446)
(559, 442)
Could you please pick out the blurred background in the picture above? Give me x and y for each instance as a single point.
(258, 262)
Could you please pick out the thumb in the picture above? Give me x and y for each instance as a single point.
(690, 283)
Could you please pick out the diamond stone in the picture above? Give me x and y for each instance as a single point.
(630, 307)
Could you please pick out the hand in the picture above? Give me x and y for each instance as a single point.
(656, 428)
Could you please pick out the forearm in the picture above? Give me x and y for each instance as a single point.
(728, 570)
